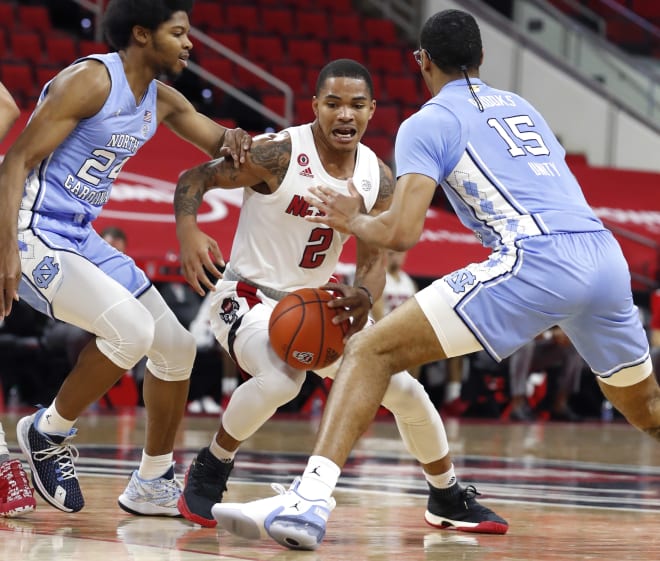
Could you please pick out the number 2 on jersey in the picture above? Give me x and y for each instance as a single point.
(318, 243)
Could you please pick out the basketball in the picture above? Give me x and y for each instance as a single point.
(301, 330)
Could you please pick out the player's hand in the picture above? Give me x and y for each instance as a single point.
(200, 255)
(335, 209)
(236, 145)
(10, 276)
(353, 304)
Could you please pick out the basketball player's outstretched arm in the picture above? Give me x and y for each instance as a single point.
(264, 168)
(370, 265)
(177, 113)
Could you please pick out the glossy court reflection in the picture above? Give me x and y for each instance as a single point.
(569, 492)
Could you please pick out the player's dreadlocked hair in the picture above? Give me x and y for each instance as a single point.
(121, 15)
(344, 68)
(452, 40)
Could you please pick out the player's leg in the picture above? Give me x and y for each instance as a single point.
(403, 338)
(638, 402)
(86, 297)
(423, 434)
(153, 488)
(271, 383)
(609, 334)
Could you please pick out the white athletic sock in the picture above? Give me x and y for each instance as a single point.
(153, 467)
(442, 481)
(319, 478)
(453, 391)
(219, 452)
(51, 422)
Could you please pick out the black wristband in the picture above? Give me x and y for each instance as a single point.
(371, 298)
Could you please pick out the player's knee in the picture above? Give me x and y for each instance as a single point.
(173, 360)
(282, 387)
(125, 333)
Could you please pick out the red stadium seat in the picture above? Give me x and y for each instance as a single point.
(18, 78)
(386, 119)
(401, 88)
(7, 12)
(346, 26)
(307, 51)
(388, 59)
(303, 111)
(346, 50)
(26, 45)
(274, 102)
(231, 40)
(278, 20)
(88, 47)
(380, 31)
(336, 6)
(242, 17)
(265, 49)
(4, 46)
(381, 144)
(35, 18)
(292, 75)
(219, 66)
(249, 80)
(207, 15)
(61, 49)
(312, 24)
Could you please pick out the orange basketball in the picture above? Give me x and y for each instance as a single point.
(301, 330)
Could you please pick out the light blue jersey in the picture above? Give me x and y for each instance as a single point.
(66, 191)
(553, 261)
(76, 179)
(503, 170)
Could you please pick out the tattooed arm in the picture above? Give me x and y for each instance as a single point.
(264, 168)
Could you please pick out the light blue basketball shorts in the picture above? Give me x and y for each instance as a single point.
(579, 282)
(76, 255)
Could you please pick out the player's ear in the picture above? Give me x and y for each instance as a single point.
(315, 106)
(141, 35)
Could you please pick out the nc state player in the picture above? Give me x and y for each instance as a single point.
(276, 250)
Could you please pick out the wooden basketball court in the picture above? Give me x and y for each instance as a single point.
(569, 491)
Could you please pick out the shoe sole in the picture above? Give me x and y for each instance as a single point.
(22, 430)
(234, 521)
(485, 527)
(134, 508)
(18, 511)
(189, 515)
(294, 536)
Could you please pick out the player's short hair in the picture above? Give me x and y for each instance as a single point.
(122, 15)
(344, 68)
(453, 40)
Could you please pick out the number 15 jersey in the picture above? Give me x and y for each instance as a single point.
(502, 169)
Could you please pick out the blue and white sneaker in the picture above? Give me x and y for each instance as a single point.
(288, 518)
(51, 462)
(152, 497)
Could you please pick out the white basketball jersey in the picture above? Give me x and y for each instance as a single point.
(397, 290)
(274, 245)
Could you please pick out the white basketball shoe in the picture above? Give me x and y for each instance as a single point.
(288, 518)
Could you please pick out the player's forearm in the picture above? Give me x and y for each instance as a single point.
(189, 193)
(381, 231)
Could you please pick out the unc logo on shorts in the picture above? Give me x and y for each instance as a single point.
(229, 307)
(459, 280)
(44, 273)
